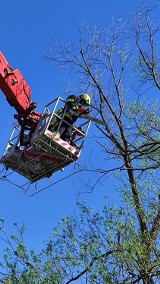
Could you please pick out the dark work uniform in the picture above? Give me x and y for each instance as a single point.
(73, 104)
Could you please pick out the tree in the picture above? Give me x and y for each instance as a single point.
(119, 66)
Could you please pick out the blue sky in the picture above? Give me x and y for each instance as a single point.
(26, 28)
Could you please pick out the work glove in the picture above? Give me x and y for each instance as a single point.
(84, 111)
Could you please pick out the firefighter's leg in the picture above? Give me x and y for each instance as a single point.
(53, 127)
(67, 133)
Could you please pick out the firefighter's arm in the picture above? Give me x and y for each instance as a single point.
(70, 100)
(79, 110)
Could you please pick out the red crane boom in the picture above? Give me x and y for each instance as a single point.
(17, 93)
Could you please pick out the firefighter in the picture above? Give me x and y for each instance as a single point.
(74, 107)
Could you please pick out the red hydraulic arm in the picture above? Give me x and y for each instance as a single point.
(17, 93)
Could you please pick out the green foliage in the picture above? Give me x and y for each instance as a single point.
(88, 245)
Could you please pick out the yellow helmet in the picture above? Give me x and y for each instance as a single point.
(86, 100)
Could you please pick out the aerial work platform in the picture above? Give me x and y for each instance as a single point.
(35, 149)
(44, 152)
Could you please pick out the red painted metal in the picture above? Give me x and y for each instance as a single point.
(17, 91)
